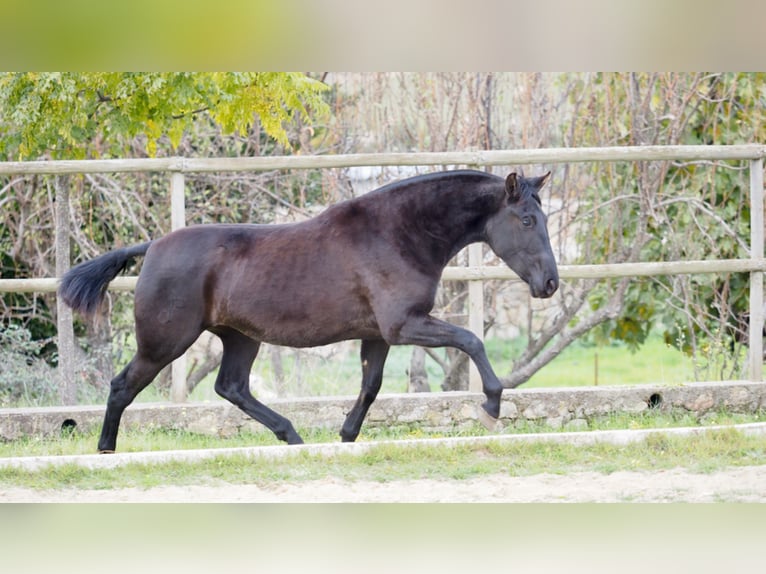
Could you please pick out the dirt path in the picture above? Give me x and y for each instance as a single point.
(744, 484)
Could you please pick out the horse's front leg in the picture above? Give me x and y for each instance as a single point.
(373, 355)
(426, 331)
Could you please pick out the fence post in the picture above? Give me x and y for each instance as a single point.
(178, 391)
(756, 277)
(475, 310)
(64, 320)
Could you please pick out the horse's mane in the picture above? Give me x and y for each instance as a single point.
(468, 175)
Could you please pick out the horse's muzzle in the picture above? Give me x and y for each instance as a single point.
(546, 290)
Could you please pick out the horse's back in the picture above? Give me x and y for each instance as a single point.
(297, 285)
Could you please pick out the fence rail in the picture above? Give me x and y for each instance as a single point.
(482, 273)
(488, 157)
(476, 272)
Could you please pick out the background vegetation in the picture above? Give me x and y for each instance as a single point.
(599, 213)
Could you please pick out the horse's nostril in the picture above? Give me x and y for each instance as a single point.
(550, 286)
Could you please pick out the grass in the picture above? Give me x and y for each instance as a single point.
(307, 374)
(582, 364)
(704, 453)
(654, 362)
(157, 439)
(335, 370)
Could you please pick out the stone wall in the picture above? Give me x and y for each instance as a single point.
(569, 409)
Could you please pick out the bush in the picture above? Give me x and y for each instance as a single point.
(26, 379)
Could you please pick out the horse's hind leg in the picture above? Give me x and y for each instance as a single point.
(156, 349)
(374, 355)
(233, 384)
(136, 375)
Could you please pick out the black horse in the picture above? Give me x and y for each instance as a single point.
(366, 268)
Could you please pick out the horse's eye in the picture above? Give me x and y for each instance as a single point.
(527, 221)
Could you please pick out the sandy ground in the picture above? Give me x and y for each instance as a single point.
(742, 484)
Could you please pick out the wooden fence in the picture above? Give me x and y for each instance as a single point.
(475, 273)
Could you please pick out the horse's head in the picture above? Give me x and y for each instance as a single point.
(517, 234)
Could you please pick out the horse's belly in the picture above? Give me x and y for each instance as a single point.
(309, 295)
(299, 326)
(309, 334)
(301, 340)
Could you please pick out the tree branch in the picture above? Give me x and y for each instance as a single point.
(610, 311)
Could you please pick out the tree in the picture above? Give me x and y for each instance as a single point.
(71, 115)
(627, 211)
(708, 207)
(608, 212)
(63, 114)
(600, 213)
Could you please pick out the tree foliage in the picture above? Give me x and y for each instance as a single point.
(63, 114)
(77, 115)
(667, 211)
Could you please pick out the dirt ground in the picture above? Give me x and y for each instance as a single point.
(742, 484)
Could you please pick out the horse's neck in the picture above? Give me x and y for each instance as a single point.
(464, 223)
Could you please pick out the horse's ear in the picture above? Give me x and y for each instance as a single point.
(539, 182)
(513, 187)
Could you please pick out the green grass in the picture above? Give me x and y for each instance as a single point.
(156, 439)
(703, 454)
(578, 365)
(655, 362)
(307, 373)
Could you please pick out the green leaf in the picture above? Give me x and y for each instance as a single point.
(62, 114)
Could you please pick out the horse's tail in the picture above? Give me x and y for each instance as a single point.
(84, 286)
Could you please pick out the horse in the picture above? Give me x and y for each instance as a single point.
(366, 268)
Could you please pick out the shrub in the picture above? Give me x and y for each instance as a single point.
(26, 379)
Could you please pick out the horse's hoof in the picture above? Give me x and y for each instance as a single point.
(488, 421)
(106, 452)
(294, 438)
